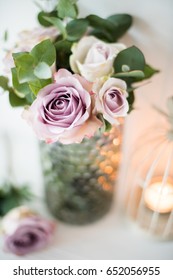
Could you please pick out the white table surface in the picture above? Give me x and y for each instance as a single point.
(114, 236)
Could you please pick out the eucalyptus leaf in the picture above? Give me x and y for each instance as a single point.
(109, 29)
(42, 71)
(23, 60)
(22, 89)
(25, 74)
(30, 98)
(63, 49)
(57, 23)
(149, 71)
(4, 83)
(131, 100)
(98, 22)
(73, 1)
(132, 57)
(5, 35)
(15, 100)
(134, 74)
(106, 125)
(12, 196)
(76, 29)
(67, 8)
(102, 35)
(38, 84)
(25, 65)
(43, 16)
(101, 24)
(44, 52)
(122, 23)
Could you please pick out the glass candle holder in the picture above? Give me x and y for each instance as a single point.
(148, 195)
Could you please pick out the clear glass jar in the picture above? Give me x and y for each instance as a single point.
(79, 178)
(148, 194)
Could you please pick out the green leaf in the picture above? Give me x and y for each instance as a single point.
(23, 60)
(36, 85)
(30, 98)
(4, 83)
(132, 57)
(63, 49)
(134, 74)
(25, 65)
(25, 74)
(5, 35)
(16, 55)
(100, 23)
(67, 8)
(42, 71)
(12, 196)
(22, 89)
(15, 100)
(103, 27)
(44, 52)
(73, 1)
(131, 100)
(106, 125)
(110, 29)
(149, 71)
(121, 23)
(76, 29)
(58, 24)
(42, 18)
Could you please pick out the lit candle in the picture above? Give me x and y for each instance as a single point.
(159, 197)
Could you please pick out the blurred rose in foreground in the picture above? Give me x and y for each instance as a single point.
(25, 231)
(27, 40)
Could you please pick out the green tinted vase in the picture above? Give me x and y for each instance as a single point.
(80, 178)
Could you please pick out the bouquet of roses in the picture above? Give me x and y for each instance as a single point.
(72, 75)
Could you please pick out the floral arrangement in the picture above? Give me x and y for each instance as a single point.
(71, 74)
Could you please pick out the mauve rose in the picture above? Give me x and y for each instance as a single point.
(62, 111)
(111, 98)
(29, 232)
(93, 58)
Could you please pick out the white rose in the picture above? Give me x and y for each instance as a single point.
(93, 58)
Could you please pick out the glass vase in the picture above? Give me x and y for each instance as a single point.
(79, 178)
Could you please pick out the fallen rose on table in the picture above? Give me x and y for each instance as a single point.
(25, 231)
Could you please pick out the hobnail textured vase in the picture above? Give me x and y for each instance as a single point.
(80, 178)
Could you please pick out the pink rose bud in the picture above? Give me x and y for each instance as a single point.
(111, 99)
